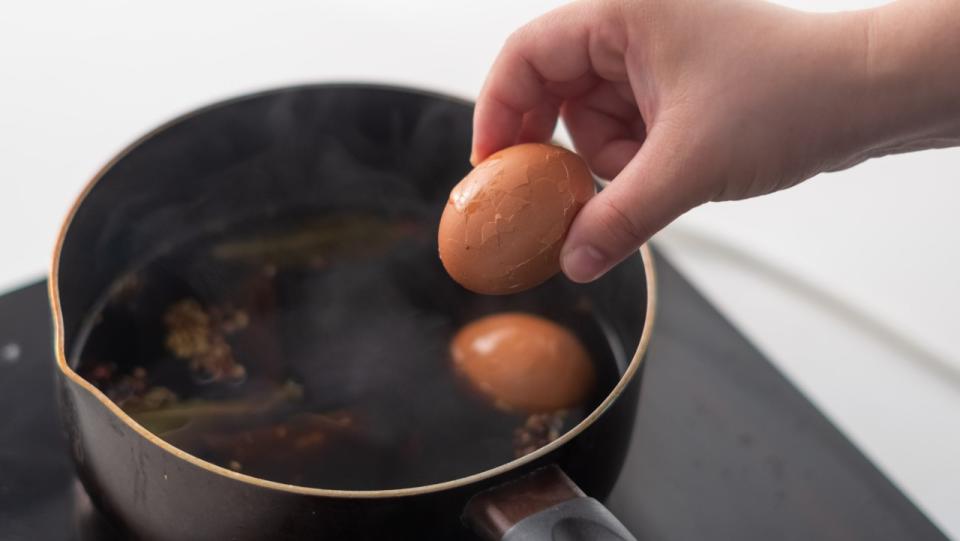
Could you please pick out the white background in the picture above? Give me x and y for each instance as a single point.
(848, 282)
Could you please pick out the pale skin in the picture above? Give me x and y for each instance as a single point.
(682, 102)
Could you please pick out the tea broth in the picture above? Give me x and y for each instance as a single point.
(315, 351)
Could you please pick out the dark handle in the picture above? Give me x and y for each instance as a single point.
(580, 519)
(545, 505)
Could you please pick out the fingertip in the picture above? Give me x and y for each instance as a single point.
(583, 263)
(539, 124)
(495, 126)
(478, 148)
(605, 232)
(482, 151)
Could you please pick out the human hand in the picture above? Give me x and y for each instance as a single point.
(681, 102)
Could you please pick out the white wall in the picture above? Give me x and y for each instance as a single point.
(79, 80)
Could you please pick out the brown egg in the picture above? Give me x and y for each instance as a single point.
(523, 363)
(505, 222)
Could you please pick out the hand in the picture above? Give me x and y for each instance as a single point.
(681, 102)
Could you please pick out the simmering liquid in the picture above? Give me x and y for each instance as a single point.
(316, 351)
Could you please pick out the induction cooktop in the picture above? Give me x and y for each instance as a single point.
(724, 447)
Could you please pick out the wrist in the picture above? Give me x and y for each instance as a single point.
(907, 86)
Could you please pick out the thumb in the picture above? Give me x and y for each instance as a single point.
(656, 186)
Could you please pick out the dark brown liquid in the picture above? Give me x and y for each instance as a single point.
(316, 352)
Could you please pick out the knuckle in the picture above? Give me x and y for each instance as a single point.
(518, 39)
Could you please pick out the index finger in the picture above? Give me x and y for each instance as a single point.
(547, 59)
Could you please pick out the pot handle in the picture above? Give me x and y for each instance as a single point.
(543, 505)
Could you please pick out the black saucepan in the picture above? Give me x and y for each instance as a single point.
(320, 148)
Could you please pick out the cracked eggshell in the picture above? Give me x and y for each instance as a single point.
(522, 362)
(505, 222)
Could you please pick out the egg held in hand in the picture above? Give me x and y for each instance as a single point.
(505, 222)
(524, 363)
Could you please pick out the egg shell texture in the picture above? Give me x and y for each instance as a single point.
(505, 222)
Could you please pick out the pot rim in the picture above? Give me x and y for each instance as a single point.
(74, 377)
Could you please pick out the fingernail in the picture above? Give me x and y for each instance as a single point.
(583, 264)
(473, 159)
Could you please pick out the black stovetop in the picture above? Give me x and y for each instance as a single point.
(723, 448)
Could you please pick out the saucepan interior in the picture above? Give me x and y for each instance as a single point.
(257, 284)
